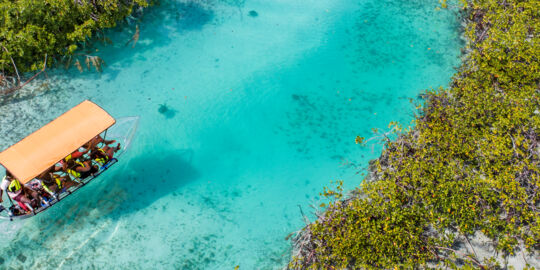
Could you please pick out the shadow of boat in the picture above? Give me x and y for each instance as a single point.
(127, 189)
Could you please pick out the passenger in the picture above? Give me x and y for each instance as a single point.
(96, 141)
(37, 186)
(79, 169)
(104, 154)
(17, 191)
(54, 183)
(100, 156)
(75, 155)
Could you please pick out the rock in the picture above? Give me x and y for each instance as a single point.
(253, 13)
(21, 258)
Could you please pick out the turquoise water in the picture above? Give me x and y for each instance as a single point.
(244, 119)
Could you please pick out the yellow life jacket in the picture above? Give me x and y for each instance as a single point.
(58, 181)
(14, 186)
(75, 172)
(102, 160)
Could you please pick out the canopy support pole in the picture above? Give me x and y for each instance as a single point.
(10, 200)
(9, 209)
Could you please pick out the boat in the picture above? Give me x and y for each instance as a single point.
(54, 143)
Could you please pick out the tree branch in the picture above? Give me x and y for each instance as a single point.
(14, 66)
(475, 261)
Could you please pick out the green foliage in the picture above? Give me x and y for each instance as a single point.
(471, 164)
(31, 29)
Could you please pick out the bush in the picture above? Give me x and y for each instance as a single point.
(33, 29)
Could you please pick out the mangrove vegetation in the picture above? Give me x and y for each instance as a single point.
(35, 34)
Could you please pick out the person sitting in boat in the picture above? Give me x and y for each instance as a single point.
(17, 191)
(54, 183)
(103, 154)
(75, 155)
(37, 186)
(100, 156)
(79, 169)
(94, 143)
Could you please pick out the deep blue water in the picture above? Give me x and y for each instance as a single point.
(245, 117)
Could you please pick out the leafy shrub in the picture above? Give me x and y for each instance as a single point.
(33, 29)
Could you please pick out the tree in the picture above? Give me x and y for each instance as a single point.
(30, 30)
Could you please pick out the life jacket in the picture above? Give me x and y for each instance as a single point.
(15, 186)
(65, 160)
(74, 172)
(58, 181)
(104, 159)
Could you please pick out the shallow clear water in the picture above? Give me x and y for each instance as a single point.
(258, 114)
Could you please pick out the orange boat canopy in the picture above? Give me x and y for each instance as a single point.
(54, 141)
